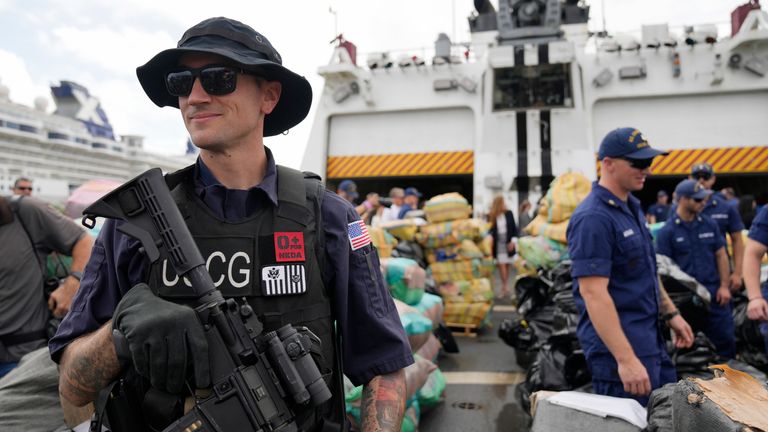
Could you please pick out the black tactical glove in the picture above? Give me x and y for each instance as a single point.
(165, 339)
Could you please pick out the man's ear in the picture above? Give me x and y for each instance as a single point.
(272, 91)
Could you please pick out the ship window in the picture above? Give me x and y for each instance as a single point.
(20, 127)
(117, 149)
(81, 140)
(58, 136)
(540, 86)
(97, 145)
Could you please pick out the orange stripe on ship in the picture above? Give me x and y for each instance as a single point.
(717, 157)
(343, 166)
(723, 158)
(741, 156)
(760, 163)
(467, 164)
(430, 161)
(447, 164)
(407, 165)
(366, 166)
(661, 163)
(685, 160)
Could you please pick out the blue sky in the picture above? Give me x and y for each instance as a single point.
(99, 44)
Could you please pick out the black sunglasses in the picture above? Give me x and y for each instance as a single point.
(640, 164)
(699, 200)
(703, 176)
(217, 80)
(24, 188)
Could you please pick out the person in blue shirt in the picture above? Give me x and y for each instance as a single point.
(229, 84)
(727, 218)
(756, 248)
(693, 241)
(616, 285)
(658, 211)
(411, 200)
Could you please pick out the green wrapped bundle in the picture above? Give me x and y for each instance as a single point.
(433, 390)
(405, 279)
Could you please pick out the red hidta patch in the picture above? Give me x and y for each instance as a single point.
(289, 246)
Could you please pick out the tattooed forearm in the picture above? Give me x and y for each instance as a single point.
(383, 403)
(88, 365)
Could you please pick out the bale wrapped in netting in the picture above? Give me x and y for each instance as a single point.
(445, 207)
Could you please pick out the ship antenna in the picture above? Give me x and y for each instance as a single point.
(335, 19)
(602, 7)
(453, 19)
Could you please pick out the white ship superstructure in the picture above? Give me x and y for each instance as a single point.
(531, 96)
(60, 151)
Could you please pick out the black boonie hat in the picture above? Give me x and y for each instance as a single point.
(247, 48)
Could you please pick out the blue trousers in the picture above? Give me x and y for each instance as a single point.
(606, 381)
(7, 367)
(764, 325)
(720, 329)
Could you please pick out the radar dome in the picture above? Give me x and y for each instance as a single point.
(41, 103)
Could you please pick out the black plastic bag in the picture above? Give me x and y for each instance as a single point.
(695, 361)
(516, 332)
(692, 307)
(531, 294)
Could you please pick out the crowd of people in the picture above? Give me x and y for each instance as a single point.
(376, 211)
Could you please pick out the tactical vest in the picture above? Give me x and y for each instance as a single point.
(273, 259)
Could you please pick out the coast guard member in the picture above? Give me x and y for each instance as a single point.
(256, 222)
(615, 282)
(693, 241)
(727, 218)
(757, 246)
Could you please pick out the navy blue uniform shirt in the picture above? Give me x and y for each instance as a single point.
(693, 247)
(661, 212)
(759, 229)
(607, 237)
(726, 215)
(374, 340)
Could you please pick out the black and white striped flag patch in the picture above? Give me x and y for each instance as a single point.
(283, 279)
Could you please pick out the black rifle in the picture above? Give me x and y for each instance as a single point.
(258, 380)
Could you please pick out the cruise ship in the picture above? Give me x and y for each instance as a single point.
(59, 151)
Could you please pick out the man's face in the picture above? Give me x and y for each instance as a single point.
(663, 199)
(691, 205)
(398, 201)
(23, 188)
(217, 123)
(412, 200)
(629, 178)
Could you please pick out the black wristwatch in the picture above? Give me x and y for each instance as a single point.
(76, 274)
(669, 316)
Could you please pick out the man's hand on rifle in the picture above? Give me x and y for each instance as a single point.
(165, 339)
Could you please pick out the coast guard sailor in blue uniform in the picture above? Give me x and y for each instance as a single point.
(727, 218)
(693, 241)
(273, 235)
(756, 248)
(615, 281)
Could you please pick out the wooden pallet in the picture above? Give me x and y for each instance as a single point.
(466, 330)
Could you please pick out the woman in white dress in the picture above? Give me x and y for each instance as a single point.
(503, 231)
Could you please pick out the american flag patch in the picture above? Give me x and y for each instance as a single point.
(358, 234)
(283, 279)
